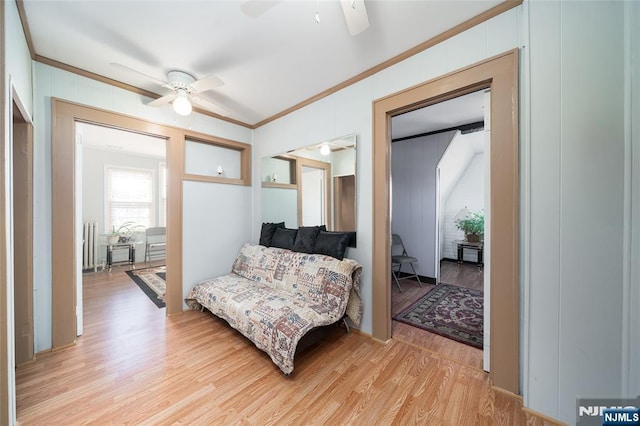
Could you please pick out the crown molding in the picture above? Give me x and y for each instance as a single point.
(472, 22)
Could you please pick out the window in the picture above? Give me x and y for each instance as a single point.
(162, 189)
(128, 197)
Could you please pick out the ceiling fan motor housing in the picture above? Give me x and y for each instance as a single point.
(180, 80)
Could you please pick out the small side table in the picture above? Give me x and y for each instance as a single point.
(478, 247)
(118, 246)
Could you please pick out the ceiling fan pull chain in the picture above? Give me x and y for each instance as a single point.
(318, 12)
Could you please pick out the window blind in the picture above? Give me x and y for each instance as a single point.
(162, 188)
(129, 197)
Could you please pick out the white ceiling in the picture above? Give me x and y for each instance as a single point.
(444, 115)
(268, 63)
(116, 140)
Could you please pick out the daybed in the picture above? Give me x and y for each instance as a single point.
(275, 296)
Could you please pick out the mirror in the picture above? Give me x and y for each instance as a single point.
(313, 185)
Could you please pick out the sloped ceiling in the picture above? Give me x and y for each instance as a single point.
(268, 63)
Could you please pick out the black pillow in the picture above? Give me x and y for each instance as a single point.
(332, 244)
(284, 238)
(306, 238)
(266, 233)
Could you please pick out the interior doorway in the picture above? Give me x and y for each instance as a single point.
(121, 200)
(313, 196)
(500, 74)
(438, 170)
(65, 251)
(314, 187)
(23, 236)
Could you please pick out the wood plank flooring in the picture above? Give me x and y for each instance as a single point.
(133, 365)
(466, 275)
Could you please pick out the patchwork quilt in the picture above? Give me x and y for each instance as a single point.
(275, 296)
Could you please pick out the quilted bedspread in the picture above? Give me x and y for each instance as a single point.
(275, 296)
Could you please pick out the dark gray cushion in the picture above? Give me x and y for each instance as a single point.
(332, 244)
(284, 238)
(306, 238)
(267, 231)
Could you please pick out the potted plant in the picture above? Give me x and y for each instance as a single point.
(123, 233)
(472, 225)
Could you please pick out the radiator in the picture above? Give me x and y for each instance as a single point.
(90, 246)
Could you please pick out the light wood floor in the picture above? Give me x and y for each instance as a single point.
(466, 275)
(133, 365)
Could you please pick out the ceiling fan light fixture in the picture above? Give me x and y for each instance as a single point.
(181, 104)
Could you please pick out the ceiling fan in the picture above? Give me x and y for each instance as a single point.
(355, 12)
(185, 89)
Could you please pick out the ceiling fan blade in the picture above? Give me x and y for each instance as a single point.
(206, 83)
(209, 105)
(355, 13)
(148, 77)
(163, 100)
(255, 8)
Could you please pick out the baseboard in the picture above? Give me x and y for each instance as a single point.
(448, 259)
(423, 278)
(533, 417)
(360, 332)
(506, 393)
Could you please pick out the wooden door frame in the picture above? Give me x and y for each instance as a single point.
(500, 74)
(64, 116)
(23, 218)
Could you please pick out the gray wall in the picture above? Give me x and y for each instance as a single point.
(413, 173)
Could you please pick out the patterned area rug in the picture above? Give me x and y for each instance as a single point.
(152, 282)
(450, 311)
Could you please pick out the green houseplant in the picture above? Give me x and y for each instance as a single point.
(472, 225)
(124, 232)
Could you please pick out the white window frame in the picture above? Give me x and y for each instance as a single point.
(107, 200)
(163, 173)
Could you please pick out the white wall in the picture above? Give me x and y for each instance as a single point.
(280, 205)
(205, 159)
(281, 169)
(413, 212)
(343, 163)
(52, 82)
(574, 184)
(631, 328)
(93, 187)
(453, 163)
(19, 88)
(216, 220)
(18, 60)
(467, 192)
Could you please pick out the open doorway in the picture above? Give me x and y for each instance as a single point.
(314, 202)
(67, 250)
(313, 196)
(437, 170)
(500, 75)
(122, 199)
